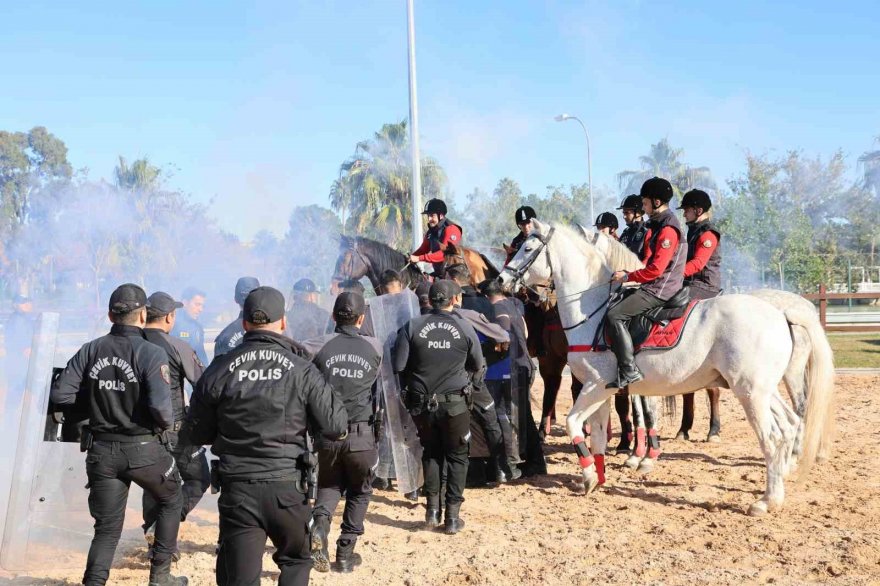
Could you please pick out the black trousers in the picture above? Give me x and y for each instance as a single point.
(193, 466)
(346, 467)
(484, 413)
(501, 392)
(444, 435)
(111, 468)
(617, 323)
(251, 511)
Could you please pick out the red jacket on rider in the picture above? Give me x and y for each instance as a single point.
(449, 233)
(656, 261)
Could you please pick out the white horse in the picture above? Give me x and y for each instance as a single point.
(807, 336)
(738, 342)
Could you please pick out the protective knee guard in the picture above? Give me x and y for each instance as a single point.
(653, 444)
(641, 447)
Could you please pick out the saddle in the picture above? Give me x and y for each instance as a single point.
(640, 326)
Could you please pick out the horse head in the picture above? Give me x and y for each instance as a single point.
(530, 267)
(350, 264)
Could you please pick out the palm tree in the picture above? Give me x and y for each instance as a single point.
(374, 185)
(665, 161)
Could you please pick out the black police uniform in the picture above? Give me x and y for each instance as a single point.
(127, 381)
(307, 320)
(253, 405)
(633, 237)
(436, 355)
(191, 459)
(191, 331)
(229, 338)
(350, 364)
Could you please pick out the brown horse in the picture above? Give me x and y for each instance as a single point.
(361, 257)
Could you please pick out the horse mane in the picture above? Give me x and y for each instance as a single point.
(619, 257)
(379, 253)
(576, 237)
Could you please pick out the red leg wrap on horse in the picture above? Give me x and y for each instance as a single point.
(600, 467)
(583, 452)
(641, 446)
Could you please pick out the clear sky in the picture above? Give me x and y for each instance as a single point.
(255, 107)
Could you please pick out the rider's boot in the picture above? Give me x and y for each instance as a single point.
(621, 343)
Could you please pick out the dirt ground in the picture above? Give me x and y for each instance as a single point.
(682, 524)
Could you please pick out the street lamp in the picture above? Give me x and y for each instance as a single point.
(563, 118)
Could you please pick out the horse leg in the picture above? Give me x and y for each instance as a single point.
(757, 400)
(687, 417)
(651, 407)
(590, 401)
(714, 415)
(552, 381)
(639, 448)
(621, 405)
(576, 387)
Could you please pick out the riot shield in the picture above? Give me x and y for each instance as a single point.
(388, 313)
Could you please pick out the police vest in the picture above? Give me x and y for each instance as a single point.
(435, 238)
(709, 277)
(672, 279)
(633, 237)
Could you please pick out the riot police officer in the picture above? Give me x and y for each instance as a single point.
(187, 326)
(350, 364)
(661, 278)
(437, 355)
(607, 223)
(306, 319)
(127, 382)
(184, 367)
(233, 334)
(253, 405)
(440, 236)
(633, 236)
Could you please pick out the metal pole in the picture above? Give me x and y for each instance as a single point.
(414, 130)
(589, 169)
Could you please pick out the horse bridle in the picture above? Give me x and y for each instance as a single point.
(520, 272)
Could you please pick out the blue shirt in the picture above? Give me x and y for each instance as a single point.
(191, 332)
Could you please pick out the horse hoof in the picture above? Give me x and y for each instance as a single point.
(646, 466)
(758, 509)
(591, 483)
(632, 462)
(714, 439)
(683, 435)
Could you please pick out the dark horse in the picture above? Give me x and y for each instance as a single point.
(361, 257)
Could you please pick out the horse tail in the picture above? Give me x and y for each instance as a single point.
(819, 376)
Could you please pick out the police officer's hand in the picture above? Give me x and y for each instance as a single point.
(413, 258)
(618, 277)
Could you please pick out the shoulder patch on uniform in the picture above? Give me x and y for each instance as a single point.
(453, 237)
(184, 334)
(166, 373)
(707, 243)
(666, 243)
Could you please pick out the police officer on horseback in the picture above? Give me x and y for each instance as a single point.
(523, 218)
(703, 269)
(660, 280)
(440, 236)
(437, 356)
(633, 236)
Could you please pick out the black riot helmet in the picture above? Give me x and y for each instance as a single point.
(696, 198)
(435, 206)
(657, 188)
(524, 214)
(632, 202)
(606, 220)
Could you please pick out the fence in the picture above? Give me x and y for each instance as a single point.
(823, 297)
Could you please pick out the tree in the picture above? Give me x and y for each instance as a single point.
(373, 191)
(311, 245)
(865, 203)
(665, 161)
(31, 164)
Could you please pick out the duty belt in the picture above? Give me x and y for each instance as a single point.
(124, 439)
(451, 397)
(358, 426)
(259, 480)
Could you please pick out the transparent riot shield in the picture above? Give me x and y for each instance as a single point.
(307, 320)
(388, 313)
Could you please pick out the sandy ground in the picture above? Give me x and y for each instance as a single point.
(682, 524)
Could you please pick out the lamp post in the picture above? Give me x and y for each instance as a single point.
(414, 128)
(563, 118)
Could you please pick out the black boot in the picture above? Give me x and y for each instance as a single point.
(621, 343)
(454, 523)
(412, 496)
(346, 559)
(318, 544)
(432, 518)
(160, 575)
